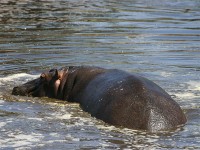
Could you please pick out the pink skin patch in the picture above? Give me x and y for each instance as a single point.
(57, 83)
(56, 86)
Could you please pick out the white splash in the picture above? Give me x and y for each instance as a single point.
(17, 78)
(193, 90)
(65, 116)
(194, 85)
(166, 74)
(21, 140)
(2, 124)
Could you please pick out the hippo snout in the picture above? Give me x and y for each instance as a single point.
(18, 91)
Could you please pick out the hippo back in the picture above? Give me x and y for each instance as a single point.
(131, 101)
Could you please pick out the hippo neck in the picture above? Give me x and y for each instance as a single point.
(76, 80)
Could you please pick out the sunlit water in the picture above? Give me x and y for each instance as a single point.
(159, 39)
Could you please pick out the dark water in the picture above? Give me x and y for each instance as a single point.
(159, 39)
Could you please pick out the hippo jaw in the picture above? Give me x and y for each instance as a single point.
(46, 85)
(31, 88)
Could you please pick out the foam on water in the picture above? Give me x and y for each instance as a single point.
(2, 124)
(194, 85)
(17, 78)
(37, 125)
(191, 91)
(166, 74)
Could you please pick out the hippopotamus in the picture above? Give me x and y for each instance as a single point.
(117, 97)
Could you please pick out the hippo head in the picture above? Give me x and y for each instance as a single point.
(46, 85)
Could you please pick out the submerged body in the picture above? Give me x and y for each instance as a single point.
(114, 96)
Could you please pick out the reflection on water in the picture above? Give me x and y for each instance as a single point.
(157, 39)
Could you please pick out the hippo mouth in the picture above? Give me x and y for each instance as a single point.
(29, 89)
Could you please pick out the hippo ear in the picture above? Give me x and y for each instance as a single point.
(42, 76)
(56, 74)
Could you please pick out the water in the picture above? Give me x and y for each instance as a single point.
(158, 39)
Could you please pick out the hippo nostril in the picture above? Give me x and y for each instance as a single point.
(18, 91)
